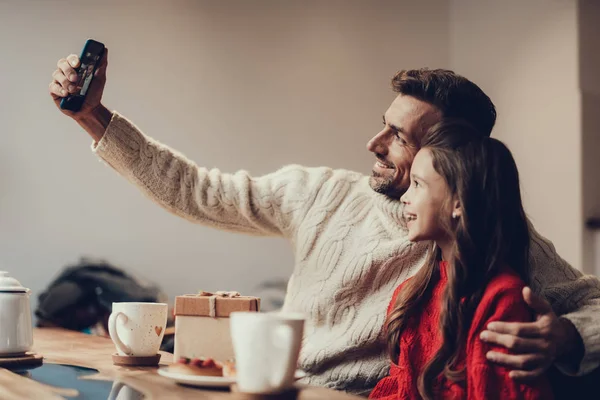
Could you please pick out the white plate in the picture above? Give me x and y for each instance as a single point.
(207, 381)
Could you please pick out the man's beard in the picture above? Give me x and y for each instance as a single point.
(385, 185)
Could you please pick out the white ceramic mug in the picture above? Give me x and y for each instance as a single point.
(266, 347)
(121, 391)
(137, 329)
(16, 329)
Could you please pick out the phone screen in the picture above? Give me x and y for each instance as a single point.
(86, 71)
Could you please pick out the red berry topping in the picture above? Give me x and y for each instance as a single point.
(196, 362)
(209, 363)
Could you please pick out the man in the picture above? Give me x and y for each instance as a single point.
(351, 250)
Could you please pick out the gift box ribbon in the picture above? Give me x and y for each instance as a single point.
(212, 299)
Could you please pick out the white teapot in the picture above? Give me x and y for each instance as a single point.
(16, 329)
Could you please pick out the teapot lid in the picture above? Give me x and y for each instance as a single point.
(10, 284)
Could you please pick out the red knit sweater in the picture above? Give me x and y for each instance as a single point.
(501, 301)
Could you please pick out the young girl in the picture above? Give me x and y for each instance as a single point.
(465, 198)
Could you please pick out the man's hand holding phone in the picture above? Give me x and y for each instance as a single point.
(92, 115)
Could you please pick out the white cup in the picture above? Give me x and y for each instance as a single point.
(16, 329)
(266, 347)
(121, 391)
(137, 329)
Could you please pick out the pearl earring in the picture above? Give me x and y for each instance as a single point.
(454, 215)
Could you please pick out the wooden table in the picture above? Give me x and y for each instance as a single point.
(60, 346)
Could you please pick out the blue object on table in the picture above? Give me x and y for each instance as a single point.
(69, 377)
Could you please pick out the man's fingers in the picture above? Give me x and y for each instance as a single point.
(522, 329)
(521, 362)
(67, 70)
(537, 303)
(526, 375)
(514, 343)
(61, 79)
(74, 60)
(57, 90)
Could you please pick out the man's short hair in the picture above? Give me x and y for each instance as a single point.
(454, 95)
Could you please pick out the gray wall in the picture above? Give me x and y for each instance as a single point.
(231, 84)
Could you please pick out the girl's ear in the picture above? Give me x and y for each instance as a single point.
(456, 209)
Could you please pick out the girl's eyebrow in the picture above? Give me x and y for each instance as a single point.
(414, 176)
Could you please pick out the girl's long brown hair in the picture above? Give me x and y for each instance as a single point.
(492, 231)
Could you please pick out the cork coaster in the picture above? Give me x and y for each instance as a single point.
(290, 394)
(26, 359)
(132, 361)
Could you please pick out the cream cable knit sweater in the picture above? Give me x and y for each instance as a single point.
(350, 249)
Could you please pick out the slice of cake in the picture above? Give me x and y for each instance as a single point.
(203, 367)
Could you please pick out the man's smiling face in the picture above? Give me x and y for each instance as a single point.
(404, 124)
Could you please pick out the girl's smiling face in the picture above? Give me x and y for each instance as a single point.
(427, 203)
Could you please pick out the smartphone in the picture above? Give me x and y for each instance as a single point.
(90, 58)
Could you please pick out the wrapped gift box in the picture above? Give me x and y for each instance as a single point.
(202, 323)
